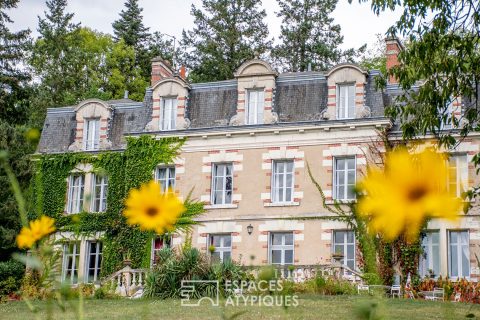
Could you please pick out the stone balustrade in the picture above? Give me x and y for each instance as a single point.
(128, 281)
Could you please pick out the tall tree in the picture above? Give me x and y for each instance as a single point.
(130, 26)
(226, 34)
(131, 29)
(14, 93)
(309, 36)
(53, 58)
(13, 80)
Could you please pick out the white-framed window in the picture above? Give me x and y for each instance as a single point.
(76, 186)
(168, 114)
(458, 254)
(99, 189)
(346, 101)
(449, 112)
(222, 183)
(166, 177)
(158, 243)
(344, 243)
(344, 178)
(91, 138)
(430, 258)
(458, 174)
(282, 181)
(71, 261)
(255, 107)
(223, 246)
(93, 261)
(281, 248)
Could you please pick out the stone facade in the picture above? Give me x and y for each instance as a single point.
(300, 126)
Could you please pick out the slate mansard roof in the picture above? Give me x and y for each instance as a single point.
(297, 97)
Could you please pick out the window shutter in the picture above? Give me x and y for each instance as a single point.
(173, 113)
(260, 106)
(341, 102)
(351, 101)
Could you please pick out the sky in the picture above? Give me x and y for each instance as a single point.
(359, 24)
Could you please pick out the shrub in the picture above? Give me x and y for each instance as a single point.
(330, 286)
(372, 278)
(164, 281)
(11, 274)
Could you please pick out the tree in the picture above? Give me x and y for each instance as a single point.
(375, 58)
(14, 94)
(159, 46)
(309, 36)
(18, 149)
(53, 58)
(130, 28)
(226, 34)
(14, 88)
(443, 53)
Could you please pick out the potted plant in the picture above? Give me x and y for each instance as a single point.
(127, 261)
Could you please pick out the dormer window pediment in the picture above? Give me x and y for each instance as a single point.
(91, 133)
(169, 105)
(346, 92)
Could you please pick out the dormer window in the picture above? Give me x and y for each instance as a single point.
(255, 107)
(92, 134)
(168, 114)
(346, 101)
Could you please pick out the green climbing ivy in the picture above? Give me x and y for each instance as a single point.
(125, 170)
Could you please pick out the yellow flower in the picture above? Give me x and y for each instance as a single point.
(36, 230)
(411, 188)
(153, 210)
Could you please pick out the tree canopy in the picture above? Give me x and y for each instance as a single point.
(226, 34)
(309, 37)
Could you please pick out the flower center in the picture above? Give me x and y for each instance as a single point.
(416, 193)
(151, 212)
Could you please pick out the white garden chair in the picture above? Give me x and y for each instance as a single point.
(438, 295)
(395, 291)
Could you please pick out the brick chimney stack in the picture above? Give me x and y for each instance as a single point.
(161, 69)
(394, 46)
(183, 72)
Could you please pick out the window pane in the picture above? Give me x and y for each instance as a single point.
(339, 236)
(340, 164)
(276, 256)
(226, 255)
(289, 238)
(276, 239)
(288, 256)
(227, 241)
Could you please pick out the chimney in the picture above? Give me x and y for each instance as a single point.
(394, 46)
(161, 69)
(183, 72)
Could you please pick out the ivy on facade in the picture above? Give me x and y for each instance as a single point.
(125, 170)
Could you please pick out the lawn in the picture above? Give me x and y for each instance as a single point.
(310, 307)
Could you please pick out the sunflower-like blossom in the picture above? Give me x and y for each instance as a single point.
(36, 230)
(409, 190)
(153, 210)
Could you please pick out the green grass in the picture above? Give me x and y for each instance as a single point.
(310, 307)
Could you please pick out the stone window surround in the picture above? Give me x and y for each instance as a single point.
(282, 153)
(64, 237)
(92, 109)
(347, 74)
(221, 156)
(173, 87)
(88, 189)
(255, 75)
